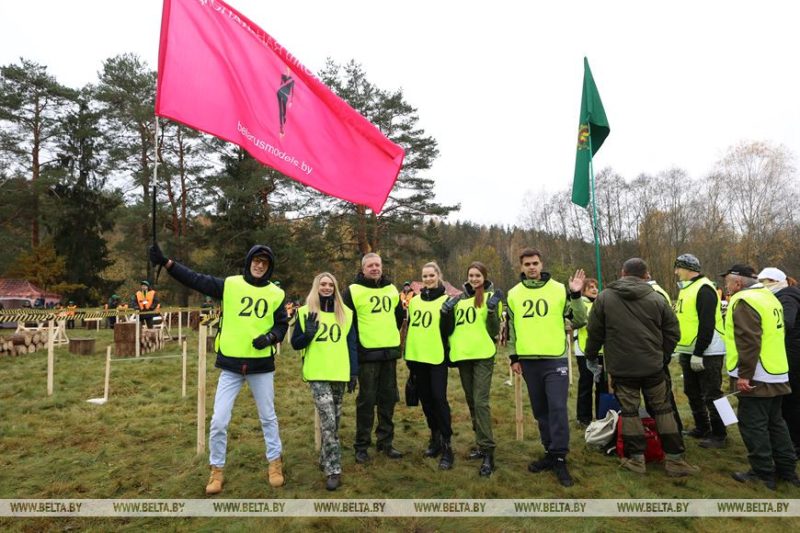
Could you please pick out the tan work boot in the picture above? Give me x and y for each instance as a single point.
(634, 463)
(678, 467)
(214, 481)
(276, 478)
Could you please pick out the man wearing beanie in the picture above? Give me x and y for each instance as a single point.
(701, 349)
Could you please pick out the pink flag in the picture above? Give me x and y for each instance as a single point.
(220, 73)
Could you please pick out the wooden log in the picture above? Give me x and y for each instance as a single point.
(81, 346)
(31, 348)
(21, 339)
(125, 339)
(36, 338)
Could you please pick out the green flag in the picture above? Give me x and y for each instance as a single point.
(592, 131)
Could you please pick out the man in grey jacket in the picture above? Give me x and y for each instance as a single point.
(637, 330)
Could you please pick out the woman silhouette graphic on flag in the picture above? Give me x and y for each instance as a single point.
(285, 92)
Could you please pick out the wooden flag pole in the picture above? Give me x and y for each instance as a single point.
(50, 357)
(201, 390)
(518, 405)
(317, 431)
(183, 372)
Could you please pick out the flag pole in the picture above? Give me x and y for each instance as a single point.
(594, 211)
(155, 178)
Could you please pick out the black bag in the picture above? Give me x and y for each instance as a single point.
(412, 398)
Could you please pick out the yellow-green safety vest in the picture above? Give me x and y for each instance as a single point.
(686, 310)
(424, 340)
(327, 357)
(583, 334)
(470, 338)
(247, 314)
(660, 290)
(539, 319)
(377, 327)
(772, 366)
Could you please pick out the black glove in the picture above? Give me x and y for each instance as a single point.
(262, 341)
(496, 298)
(351, 385)
(449, 305)
(311, 325)
(157, 257)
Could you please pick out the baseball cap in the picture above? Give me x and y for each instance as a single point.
(740, 270)
(772, 273)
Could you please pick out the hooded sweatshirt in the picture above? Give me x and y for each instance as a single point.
(214, 287)
(635, 327)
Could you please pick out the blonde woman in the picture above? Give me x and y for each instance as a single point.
(426, 358)
(325, 335)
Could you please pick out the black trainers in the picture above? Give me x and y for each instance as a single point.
(541, 465)
(362, 457)
(697, 433)
(744, 477)
(333, 482)
(561, 472)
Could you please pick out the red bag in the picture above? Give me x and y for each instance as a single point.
(653, 452)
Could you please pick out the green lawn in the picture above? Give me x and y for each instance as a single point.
(142, 445)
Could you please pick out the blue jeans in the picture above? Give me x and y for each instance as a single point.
(228, 387)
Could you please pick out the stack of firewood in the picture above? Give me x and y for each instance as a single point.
(23, 343)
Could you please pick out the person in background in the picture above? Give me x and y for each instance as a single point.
(71, 307)
(113, 303)
(789, 296)
(586, 379)
(759, 370)
(701, 348)
(146, 301)
(636, 328)
(325, 335)
(406, 294)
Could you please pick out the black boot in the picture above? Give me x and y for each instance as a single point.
(446, 462)
(560, 469)
(487, 467)
(434, 445)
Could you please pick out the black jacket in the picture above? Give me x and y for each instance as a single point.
(214, 287)
(790, 300)
(374, 354)
(635, 326)
(300, 340)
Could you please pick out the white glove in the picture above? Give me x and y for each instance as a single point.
(697, 363)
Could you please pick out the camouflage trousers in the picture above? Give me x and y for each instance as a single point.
(328, 401)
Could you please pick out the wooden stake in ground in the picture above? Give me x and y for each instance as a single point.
(201, 390)
(183, 372)
(108, 373)
(180, 325)
(317, 431)
(518, 405)
(570, 353)
(50, 357)
(137, 347)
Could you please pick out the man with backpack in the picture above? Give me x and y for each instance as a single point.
(636, 328)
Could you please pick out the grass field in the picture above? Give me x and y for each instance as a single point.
(142, 445)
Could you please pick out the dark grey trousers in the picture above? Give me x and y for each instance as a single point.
(548, 388)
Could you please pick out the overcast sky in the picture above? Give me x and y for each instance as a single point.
(498, 83)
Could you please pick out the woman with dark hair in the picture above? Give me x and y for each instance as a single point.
(472, 348)
(327, 339)
(426, 357)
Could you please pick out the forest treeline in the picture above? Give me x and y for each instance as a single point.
(76, 182)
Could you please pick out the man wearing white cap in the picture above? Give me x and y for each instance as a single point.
(789, 295)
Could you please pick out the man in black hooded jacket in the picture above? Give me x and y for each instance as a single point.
(254, 320)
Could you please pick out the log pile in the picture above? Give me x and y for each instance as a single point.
(125, 340)
(23, 343)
